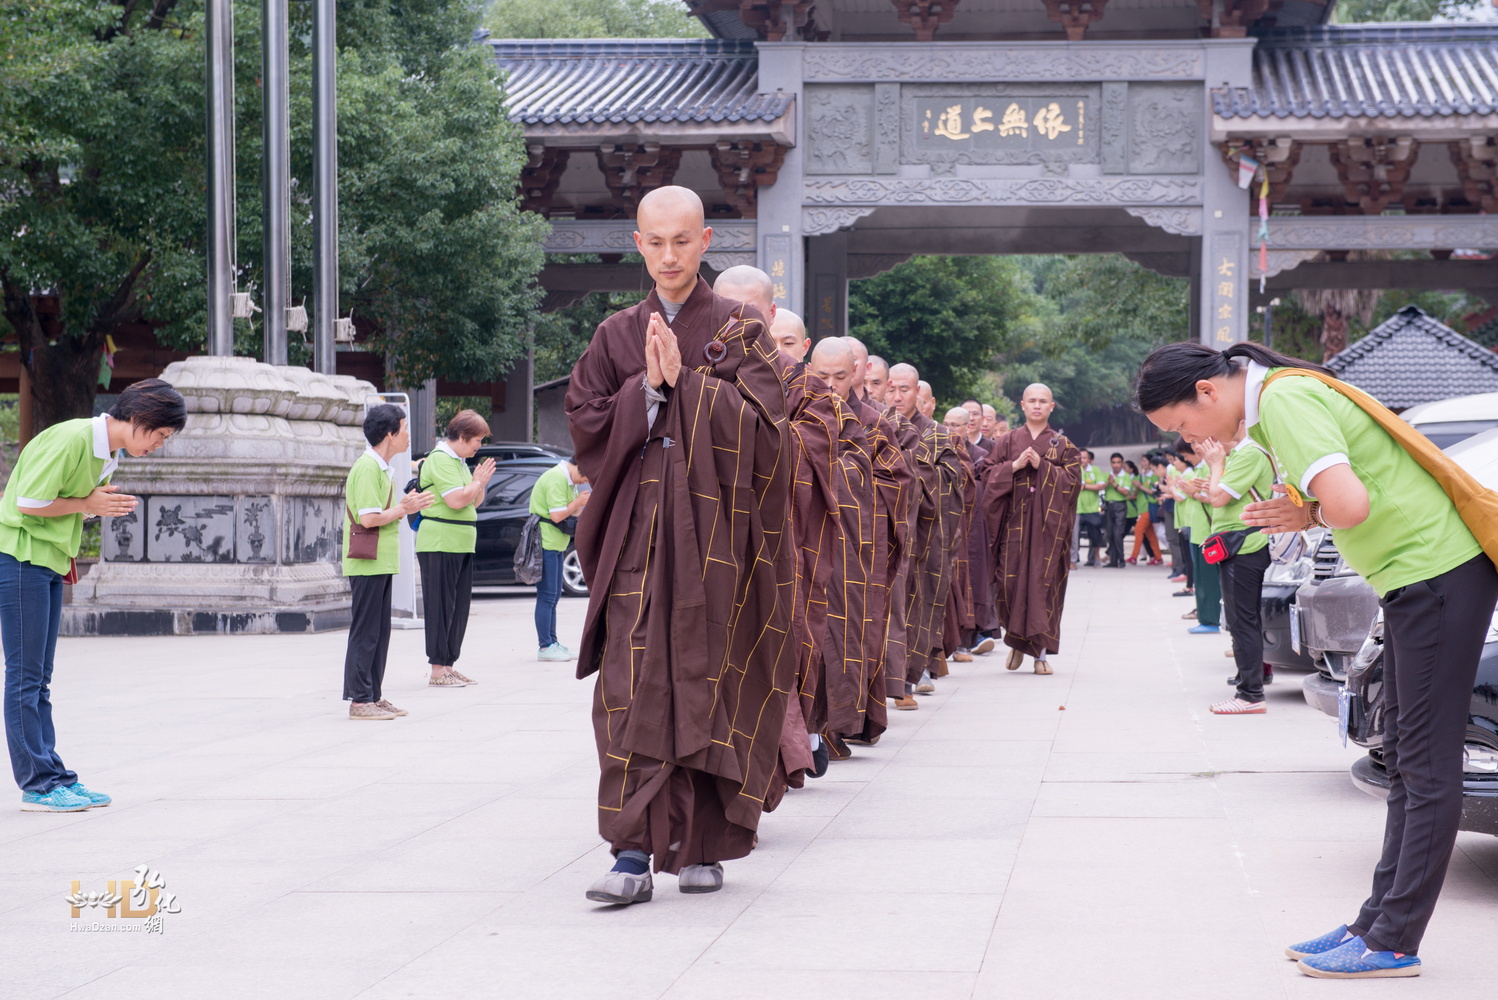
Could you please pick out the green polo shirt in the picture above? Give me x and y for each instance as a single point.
(551, 494)
(1192, 513)
(368, 491)
(62, 461)
(1413, 531)
(1124, 481)
(1246, 471)
(1090, 501)
(441, 473)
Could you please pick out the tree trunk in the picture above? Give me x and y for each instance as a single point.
(64, 379)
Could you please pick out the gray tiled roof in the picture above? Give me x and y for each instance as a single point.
(1389, 71)
(1412, 358)
(657, 80)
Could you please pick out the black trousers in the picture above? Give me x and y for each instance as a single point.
(1242, 580)
(1091, 526)
(368, 637)
(446, 592)
(1115, 526)
(1184, 563)
(1433, 637)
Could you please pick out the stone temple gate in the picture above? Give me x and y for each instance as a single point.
(833, 140)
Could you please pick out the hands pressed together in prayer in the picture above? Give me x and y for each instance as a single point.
(411, 502)
(1280, 515)
(662, 354)
(108, 501)
(1028, 457)
(1214, 452)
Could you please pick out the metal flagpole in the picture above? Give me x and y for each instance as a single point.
(324, 187)
(219, 46)
(276, 177)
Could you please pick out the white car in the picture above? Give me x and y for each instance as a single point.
(1448, 421)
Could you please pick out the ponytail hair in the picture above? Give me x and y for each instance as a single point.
(151, 404)
(1169, 375)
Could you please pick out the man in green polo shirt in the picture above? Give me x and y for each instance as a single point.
(560, 493)
(1089, 511)
(1118, 489)
(61, 477)
(370, 497)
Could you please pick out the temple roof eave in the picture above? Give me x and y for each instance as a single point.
(587, 135)
(1332, 128)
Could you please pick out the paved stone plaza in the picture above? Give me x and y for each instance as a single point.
(993, 845)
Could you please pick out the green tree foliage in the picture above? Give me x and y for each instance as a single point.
(951, 317)
(436, 260)
(1092, 320)
(1362, 11)
(592, 19)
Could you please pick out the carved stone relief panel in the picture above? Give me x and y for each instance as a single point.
(314, 530)
(1113, 120)
(886, 128)
(946, 124)
(255, 541)
(189, 529)
(1165, 128)
(983, 61)
(839, 129)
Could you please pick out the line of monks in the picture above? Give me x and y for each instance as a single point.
(776, 548)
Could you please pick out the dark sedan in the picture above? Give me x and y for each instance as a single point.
(501, 516)
(1362, 719)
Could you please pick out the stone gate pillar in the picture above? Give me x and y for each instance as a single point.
(779, 239)
(827, 281)
(1221, 274)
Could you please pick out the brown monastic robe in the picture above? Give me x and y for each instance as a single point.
(845, 680)
(691, 577)
(980, 548)
(959, 617)
(1029, 515)
(892, 493)
(814, 427)
(937, 514)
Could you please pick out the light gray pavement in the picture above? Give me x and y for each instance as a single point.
(1091, 834)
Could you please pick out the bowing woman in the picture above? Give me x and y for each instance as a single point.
(1395, 525)
(61, 477)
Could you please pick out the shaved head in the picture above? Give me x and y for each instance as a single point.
(876, 378)
(672, 236)
(750, 286)
(832, 361)
(789, 333)
(927, 398)
(860, 363)
(958, 416)
(903, 390)
(1037, 404)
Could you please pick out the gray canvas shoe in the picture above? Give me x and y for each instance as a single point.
(700, 878)
(622, 887)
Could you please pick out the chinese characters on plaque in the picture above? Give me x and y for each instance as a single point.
(1225, 306)
(1001, 123)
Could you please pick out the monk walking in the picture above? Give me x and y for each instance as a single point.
(814, 426)
(677, 413)
(1030, 486)
(936, 513)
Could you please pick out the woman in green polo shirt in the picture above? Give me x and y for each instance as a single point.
(1395, 525)
(446, 540)
(560, 492)
(1236, 479)
(369, 495)
(61, 477)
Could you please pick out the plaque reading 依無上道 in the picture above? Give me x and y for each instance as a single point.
(1000, 124)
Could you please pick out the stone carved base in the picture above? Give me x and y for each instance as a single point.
(240, 523)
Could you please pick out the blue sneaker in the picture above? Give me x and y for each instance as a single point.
(555, 653)
(94, 798)
(59, 800)
(1320, 945)
(1353, 960)
(1204, 629)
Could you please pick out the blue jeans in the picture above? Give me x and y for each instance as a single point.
(548, 593)
(30, 610)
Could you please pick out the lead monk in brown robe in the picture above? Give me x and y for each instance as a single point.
(1030, 489)
(678, 416)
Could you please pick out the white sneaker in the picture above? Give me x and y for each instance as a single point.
(556, 652)
(700, 878)
(622, 888)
